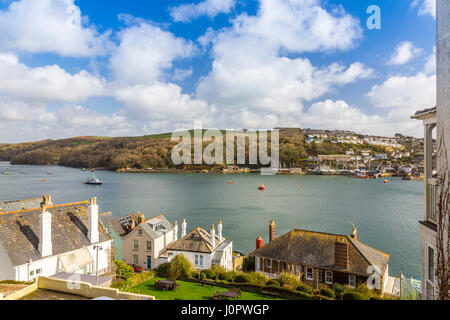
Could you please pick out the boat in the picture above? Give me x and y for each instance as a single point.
(25, 172)
(84, 169)
(94, 181)
(362, 174)
(7, 173)
(262, 187)
(48, 172)
(230, 182)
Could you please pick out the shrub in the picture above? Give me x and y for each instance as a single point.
(179, 267)
(209, 274)
(243, 278)
(353, 296)
(338, 289)
(162, 270)
(272, 282)
(226, 276)
(248, 264)
(363, 289)
(327, 292)
(305, 288)
(218, 270)
(202, 276)
(123, 271)
(289, 279)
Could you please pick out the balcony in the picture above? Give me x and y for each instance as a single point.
(431, 201)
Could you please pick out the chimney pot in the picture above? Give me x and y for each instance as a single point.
(93, 234)
(259, 242)
(213, 237)
(175, 231)
(219, 229)
(45, 239)
(272, 231)
(354, 233)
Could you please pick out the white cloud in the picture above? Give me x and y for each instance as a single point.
(404, 53)
(46, 84)
(49, 26)
(146, 52)
(409, 93)
(160, 101)
(210, 8)
(425, 7)
(430, 66)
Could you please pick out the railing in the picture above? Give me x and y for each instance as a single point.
(431, 201)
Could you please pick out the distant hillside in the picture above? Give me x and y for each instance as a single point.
(149, 151)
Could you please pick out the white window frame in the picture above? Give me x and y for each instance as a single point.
(196, 260)
(135, 257)
(327, 272)
(428, 247)
(296, 269)
(136, 245)
(308, 275)
(350, 282)
(201, 260)
(140, 232)
(147, 245)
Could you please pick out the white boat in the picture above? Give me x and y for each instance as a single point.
(94, 181)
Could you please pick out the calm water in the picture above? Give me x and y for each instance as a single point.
(386, 215)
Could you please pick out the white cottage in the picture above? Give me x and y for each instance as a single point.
(202, 248)
(51, 239)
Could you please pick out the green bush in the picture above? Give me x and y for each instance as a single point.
(179, 268)
(258, 278)
(202, 275)
(123, 271)
(289, 279)
(353, 296)
(248, 264)
(272, 282)
(209, 274)
(305, 288)
(363, 289)
(226, 276)
(243, 278)
(338, 289)
(327, 292)
(162, 270)
(218, 270)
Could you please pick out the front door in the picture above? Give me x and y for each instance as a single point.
(149, 263)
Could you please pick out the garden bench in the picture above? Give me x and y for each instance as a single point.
(270, 294)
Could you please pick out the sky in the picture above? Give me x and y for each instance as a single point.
(130, 68)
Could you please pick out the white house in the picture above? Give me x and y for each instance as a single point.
(202, 248)
(50, 239)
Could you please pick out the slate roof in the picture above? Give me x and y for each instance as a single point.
(20, 205)
(198, 240)
(317, 249)
(19, 231)
(423, 113)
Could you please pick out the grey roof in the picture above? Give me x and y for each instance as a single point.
(198, 240)
(422, 113)
(19, 231)
(154, 227)
(218, 254)
(317, 249)
(20, 205)
(107, 217)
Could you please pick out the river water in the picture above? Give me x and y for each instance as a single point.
(386, 215)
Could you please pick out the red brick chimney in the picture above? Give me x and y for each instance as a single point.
(272, 231)
(259, 242)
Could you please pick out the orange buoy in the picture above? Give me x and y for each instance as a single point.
(262, 187)
(230, 182)
(386, 181)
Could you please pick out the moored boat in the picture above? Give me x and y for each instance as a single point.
(262, 187)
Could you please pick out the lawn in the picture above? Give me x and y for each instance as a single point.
(190, 291)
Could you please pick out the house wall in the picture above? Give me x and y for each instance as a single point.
(428, 238)
(158, 245)
(50, 265)
(207, 258)
(227, 258)
(6, 267)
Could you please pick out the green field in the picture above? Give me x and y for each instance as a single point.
(189, 291)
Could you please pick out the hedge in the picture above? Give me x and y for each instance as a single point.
(305, 288)
(327, 292)
(353, 296)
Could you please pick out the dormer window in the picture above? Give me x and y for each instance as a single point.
(140, 232)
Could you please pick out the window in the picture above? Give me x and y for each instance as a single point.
(196, 259)
(31, 273)
(136, 245)
(39, 271)
(352, 280)
(269, 263)
(149, 246)
(320, 275)
(329, 277)
(431, 264)
(296, 270)
(309, 274)
(140, 232)
(135, 259)
(201, 260)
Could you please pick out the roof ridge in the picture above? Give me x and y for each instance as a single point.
(48, 207)
(386, 254)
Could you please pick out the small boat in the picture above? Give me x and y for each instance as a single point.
(48, 172)
(94, 181)
(262, 187)
(386, 181)
(7, 173)
(84, 169)
(230, 182)
(24, 172)
(92, 170)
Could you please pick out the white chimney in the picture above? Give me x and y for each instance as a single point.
(219, 229)
(175, 231)
(45, 239)
(183, 228)
(213, 237)
(93, 221)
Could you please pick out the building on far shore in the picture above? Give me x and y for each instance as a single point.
(202, 248)
(321, 258)
(45, 239)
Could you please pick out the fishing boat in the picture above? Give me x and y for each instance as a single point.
(94, 181)
(361, 174)
(262, 187)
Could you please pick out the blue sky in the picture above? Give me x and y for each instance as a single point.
(121, 68)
